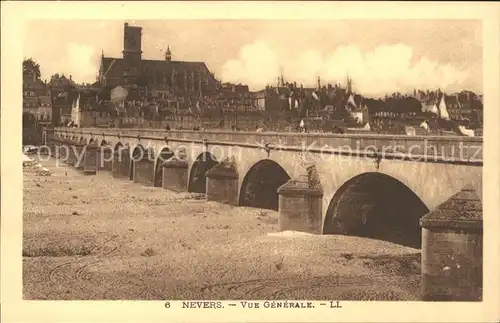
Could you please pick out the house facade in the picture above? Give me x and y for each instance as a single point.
(36, 98)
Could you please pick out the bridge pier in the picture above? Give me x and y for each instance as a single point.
(70, 153)
(106, 158)
(175, 174)
(452, 245)
(144, 169)
(62, 151)
(116, 164)
(222, 183)
(121, 163)
(48, 134)
(90, 161)
(78, 152)
(300, 204)
(53, 146)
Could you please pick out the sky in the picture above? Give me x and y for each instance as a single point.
(380, 56)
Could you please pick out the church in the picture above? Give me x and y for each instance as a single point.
(154, 78)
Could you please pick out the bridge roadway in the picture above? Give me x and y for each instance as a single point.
(361, 184)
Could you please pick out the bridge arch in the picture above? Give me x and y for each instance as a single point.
(378, 206)
(82, 140)
(91, 140)
(260, 185)
(197, 181)
(165, 154)
(104, 143)
(118, 146)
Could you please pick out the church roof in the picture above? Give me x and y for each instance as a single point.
(115, 67)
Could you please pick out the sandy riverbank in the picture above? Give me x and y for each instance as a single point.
(94, 237)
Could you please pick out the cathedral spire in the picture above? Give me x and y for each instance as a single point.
(168, 54)
(349, 84)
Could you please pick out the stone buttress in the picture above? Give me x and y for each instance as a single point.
(452, 246)
(300, 203)
(175, 174)
(144, 168)
(91, 159)
(222, 182)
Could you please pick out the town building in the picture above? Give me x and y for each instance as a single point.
(36, 98)
(463, 108)
(40, 107)
(466, 107)
(62, 93)
(92, 108)
(236, 98)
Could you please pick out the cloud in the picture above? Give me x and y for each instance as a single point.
(257, 65)
(384, 69)
(81, 62)
(78, 60)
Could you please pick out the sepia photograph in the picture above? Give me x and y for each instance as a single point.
(252, 163)
(217, 159)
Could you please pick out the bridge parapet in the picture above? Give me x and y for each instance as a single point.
(462, 148)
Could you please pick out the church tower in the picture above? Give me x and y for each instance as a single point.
(132, 53)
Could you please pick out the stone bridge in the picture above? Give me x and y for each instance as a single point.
(371, 185)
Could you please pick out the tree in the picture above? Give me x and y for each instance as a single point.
(30, 67)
